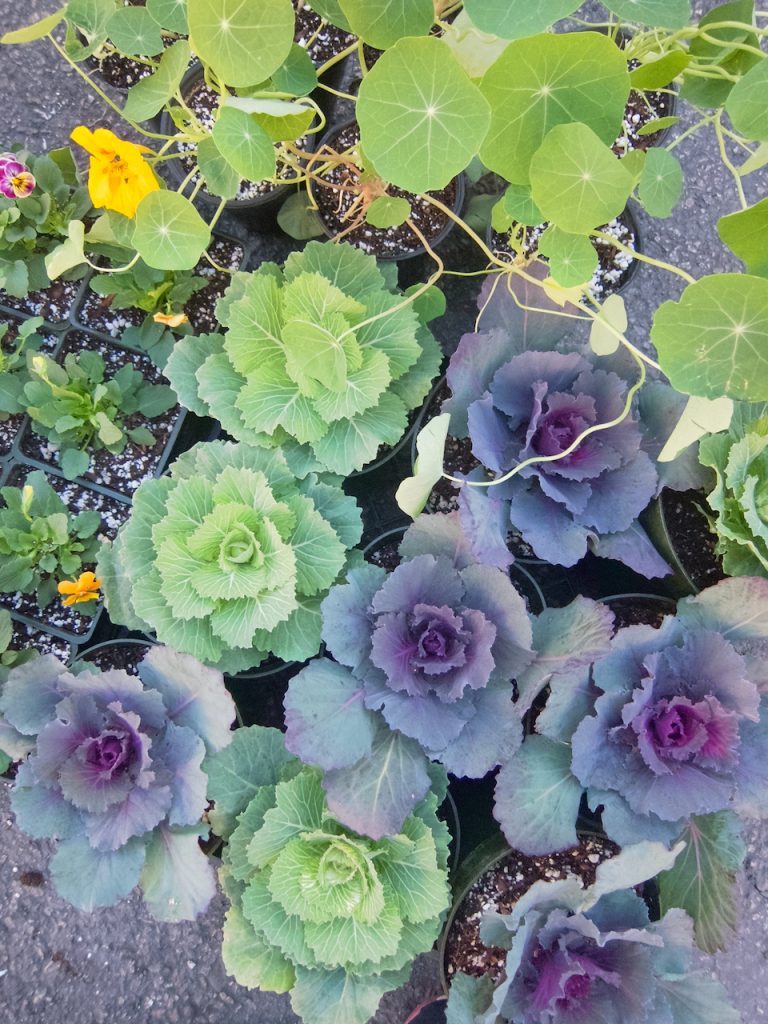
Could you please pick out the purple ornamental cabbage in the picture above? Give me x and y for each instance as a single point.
(115, 774)
(518, 399)
(425, 658)
(581, 956)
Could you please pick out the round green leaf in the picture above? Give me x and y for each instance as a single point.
(170, 234)
(297, 75)
(714, 340)
(517, 203)
(576, 181)
(298, 218)
(660, 183)
(545, 81)
(388, 211)
(656, 74)
(572, 258)
(382, 22)
(745, 233)
(37, 30)
(748, 102)
(134, 31)
(171, 14)
(658, 13)
(243, 42)
(421, 118)
(244, 144)
(221, 179)
(513, 19)
(149, 95)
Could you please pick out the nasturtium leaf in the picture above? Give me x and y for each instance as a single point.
(512, 19)
(602, 339)
(149, 95)
(331, 10)
(170, 234)
(572, 258)
(576, 180)
(421, 118)
(134, 31)
(756, 162)
(37, 30)
(517, 203)
(701, 416)
(548, 80)
(170, 14)
(388, 211)
(282, 120)
(413, 492)
(659, 125)
(702, 880)
(221, 179)
(718, 50)
(537, 797)
(747, 103)
(430, 304)
(656, 13)
(745, 234)
(68, 254)
(473, 49)
(714, 340)
(243, 42)
(661, 183)
(298, 218)
(297, 75)
(244, 144)
(381, 23)
(659, 72)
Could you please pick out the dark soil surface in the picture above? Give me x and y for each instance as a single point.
(259, 700)
(25, 636)
(96, 311)
(321, 40)
(77, 499)
(614, 265)
(641, 109)
(337, 213)
(499, 889)
(54, 303)
(125, 656)
(386, 554)
(691, 536)
(637, 610)
(124, 472)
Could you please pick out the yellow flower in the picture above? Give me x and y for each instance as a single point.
(86, 588)
(171, 319)
(119, 177)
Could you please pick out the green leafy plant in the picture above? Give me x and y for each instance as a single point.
(41, 543)
(143, 287)
(13, 364)
(79, 410)
(319, 357)
(317, 910)
(229, 555)
(33, 227)
(739, 499)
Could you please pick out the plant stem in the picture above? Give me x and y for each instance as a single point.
(728, 162)
(642, 256)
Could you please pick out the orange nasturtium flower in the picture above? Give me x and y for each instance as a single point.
(119, 177)
(171, 319)
(85, 588)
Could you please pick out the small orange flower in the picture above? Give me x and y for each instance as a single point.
(85, 588)
(171, 319)
(118, 177)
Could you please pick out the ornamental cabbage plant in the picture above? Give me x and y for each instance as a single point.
(668, 735)
(319, 357)
(114, 774)
(229, 555)
(738, 499)
(580, 955)
(426, 660)
(317, 910)
(519, 398)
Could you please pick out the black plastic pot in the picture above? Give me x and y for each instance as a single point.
(259, 211)
(650, 605)
(432, 1012)
(128, 653)
(458, 206)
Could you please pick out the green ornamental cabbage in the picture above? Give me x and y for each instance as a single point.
(317, 910)
(228, 557)
(318, 356)
(740, 497)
